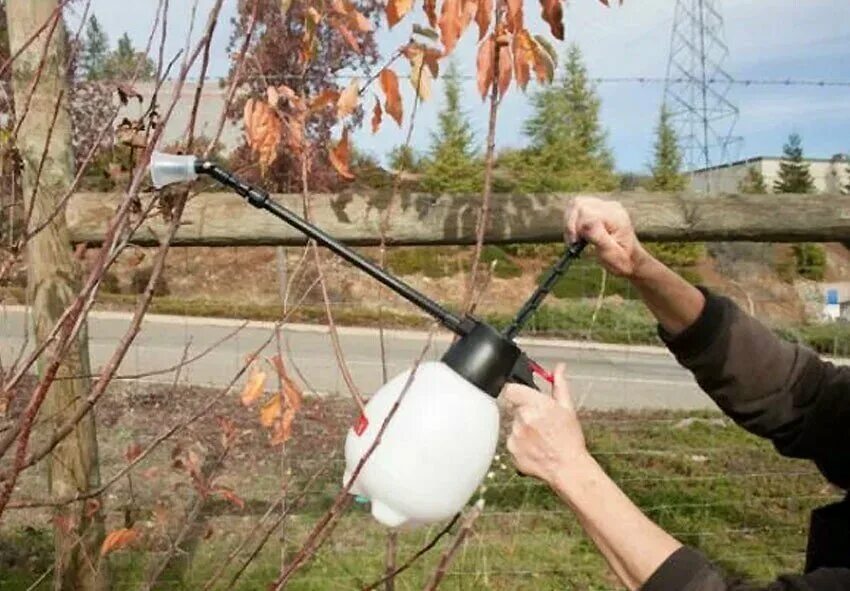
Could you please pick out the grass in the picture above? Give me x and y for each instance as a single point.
(700, 477)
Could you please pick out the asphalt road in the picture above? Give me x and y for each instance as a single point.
(603, 377)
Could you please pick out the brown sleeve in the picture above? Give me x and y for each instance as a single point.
(688, 570)
(773, 388)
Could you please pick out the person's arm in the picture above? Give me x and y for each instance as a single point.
(546, 442)
(775, 389)
(674, 302)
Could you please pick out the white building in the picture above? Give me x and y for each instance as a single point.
(830, 174)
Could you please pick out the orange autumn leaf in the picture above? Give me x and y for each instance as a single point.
(348, 99)
(291, 392)
(254, 386)
(263, 131)
(118, 539)
(397, 9)
(544, 60)
(377, 116)
(485, 65)
(431, 12)
(271, 411)
(228, 495)
(506, 69)
(524, 57)
(515, 16)
(467, 13)
(450, 23)
(323, 99)
(340, 156)
(282, 431)
(389, 85)
(483, 16)
(553, 14)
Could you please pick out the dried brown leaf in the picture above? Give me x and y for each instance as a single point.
(348, 99)
(431, 12)
(450, 24)
(485, 65)
(393, 104)
(505, 69)
(377, 116)
(118, 539)
(483, 16)
(340, 156)
(263, 129)
(254, 386)
(553, 14)
(515, 15)
(397, 10)
(271, 411)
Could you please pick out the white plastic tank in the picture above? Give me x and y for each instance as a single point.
(435, 452)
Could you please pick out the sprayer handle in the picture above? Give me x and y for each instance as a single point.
(525, 369)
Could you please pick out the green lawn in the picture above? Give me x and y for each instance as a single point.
(699, 476)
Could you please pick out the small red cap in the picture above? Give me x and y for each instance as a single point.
(543, 373)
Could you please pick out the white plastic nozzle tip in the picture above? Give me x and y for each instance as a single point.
(167, 169)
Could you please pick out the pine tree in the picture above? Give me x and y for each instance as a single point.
(568, 148)
(95, 50)
(753, 183)
(452, 164)
(667, 167)
(125, 62)
(794, 175)
(667, 176)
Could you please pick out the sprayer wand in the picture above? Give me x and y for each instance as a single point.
(482, 355)
(260, 199)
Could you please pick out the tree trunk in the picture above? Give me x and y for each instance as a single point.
(53, 280)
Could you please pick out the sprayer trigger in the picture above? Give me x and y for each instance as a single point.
(538, 369)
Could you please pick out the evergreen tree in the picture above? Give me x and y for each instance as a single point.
(404, 158)
(95, 50)
(794, 175)
(568, 148)
(753, 183)
(125, 62)
(452, 164)
(667, 176)
(667, 167)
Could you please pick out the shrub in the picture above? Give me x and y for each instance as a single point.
(543, 252)
(810, 260)
(140, 279)
(431, 262)
(505, 267)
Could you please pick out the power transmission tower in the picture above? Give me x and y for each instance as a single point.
(697, 87)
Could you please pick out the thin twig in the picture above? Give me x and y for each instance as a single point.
(416, 556)
(449, 554)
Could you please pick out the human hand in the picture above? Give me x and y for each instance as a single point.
(606, 225)
(546, 436)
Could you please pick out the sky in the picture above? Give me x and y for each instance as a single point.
(767, 39)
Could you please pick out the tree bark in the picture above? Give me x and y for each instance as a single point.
(44, 144)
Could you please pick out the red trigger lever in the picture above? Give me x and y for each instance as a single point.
(541, 371)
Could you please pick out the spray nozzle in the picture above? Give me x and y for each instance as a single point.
(167, 169)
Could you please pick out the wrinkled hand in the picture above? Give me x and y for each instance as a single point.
(546, 436)
(606, 225)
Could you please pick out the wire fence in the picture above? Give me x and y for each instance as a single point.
(690, 469)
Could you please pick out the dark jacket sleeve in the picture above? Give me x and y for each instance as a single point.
(688, 570)
(770, 387)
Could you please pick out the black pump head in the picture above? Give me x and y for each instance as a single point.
(484, 357)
